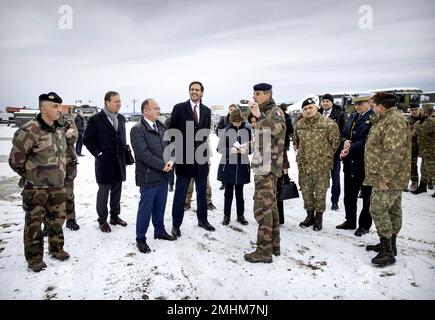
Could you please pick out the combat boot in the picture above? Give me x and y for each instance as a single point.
(374, 247)
(256, 257)
(72, 224)
(421, 188)
(393, 244)
(276, 251)
(430, 185)
(37, 266)
(60, 255)
(318, 221)
(385, 255)
(242, 220)
(309, 220)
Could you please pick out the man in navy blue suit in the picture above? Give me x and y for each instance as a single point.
(354, 137)
(189, 118)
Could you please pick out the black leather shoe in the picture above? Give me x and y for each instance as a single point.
(222, 187)
(142, 246)
(207, 226)
(226, 220)
(346, 226)
(360, 231)
(176, 232)
(334, 206)
(117, 220)
(165, 236)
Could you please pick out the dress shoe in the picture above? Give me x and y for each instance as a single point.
(242, 220)
(346, 226)
(176, 232)
(207, 226)
(226, 220)
(360, 231)
(222, 187)
(117, 220)
(142, 246)
(37, 266)
(72, 224)
(165, 236)
(210, 206)
(334, 206)
(105, 227)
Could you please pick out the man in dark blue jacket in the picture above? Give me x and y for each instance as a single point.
(152, 173)
(354, 137)
(334, 112)
(105, 138)
(189, 118)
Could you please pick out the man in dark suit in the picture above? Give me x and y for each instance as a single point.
(105, 139)
(152, 173)
(332, 111)
(189, 118)
(354, 137)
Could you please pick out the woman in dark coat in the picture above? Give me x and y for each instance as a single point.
(234, 168)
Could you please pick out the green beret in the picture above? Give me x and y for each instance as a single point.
(361, 98)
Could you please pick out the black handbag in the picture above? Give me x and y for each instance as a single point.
(129, 160)
(287, 189)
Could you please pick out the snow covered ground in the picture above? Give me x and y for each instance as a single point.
(331, 264)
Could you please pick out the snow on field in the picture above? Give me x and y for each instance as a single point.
(331, 264)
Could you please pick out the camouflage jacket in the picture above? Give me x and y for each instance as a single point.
(413, 122)
(269, 141)
(317, 140)
(387, 154)
(68, 123)
(38, 154)
(426, 137)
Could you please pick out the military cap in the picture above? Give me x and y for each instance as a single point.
(414, 105)
(328, 96)
(308, 101)
(361, 98)
(51, 97)
(262, 87)
(381, 97)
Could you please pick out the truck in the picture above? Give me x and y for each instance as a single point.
(405, 96)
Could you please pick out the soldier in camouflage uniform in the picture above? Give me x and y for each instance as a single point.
(426, 147)
(71, 135)
(187, 203)
(38, 156)
(387, 161)
(413, 120)
(267, 164)
(316, 140)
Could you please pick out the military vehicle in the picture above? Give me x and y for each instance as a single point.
(88, 111)
(405, 96)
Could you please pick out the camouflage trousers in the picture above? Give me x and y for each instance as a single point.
(266, 213)
(314, 187)
(414, 167)
(427, 170)
(40, 204)
(190, 192)
(386, 211)
(71, 174)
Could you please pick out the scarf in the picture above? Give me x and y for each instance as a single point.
(112, 116)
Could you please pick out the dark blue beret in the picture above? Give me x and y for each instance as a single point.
(308, 102)
(51, 96)
(262, 87)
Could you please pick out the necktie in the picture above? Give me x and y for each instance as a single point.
(326, 114)
(195, 115)
(155, 127)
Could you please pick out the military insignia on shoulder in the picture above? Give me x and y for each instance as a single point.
(278, 113)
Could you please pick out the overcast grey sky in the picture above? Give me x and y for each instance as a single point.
(156, 48)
